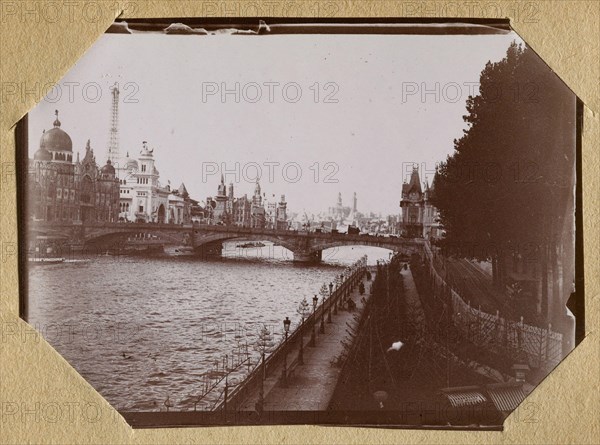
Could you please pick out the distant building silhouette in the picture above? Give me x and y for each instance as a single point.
(258, 212)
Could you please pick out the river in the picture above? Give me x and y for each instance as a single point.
(142, 330)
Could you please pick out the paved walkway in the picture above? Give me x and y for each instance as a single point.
(311, 386)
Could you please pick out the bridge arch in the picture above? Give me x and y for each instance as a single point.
(408, 246)
(222, 237)
(333, 248)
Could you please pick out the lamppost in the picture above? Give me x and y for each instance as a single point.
(313, 340)
(344, 291)
(322, 328)
(337, 296)
(286, 329)
(303, 311)
(329, 310)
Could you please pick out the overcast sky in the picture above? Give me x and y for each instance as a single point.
(367, 129)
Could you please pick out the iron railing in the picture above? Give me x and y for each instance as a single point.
(250, 384)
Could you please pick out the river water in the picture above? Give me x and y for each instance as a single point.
(142, 330)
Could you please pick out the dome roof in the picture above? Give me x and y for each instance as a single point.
(56, 139)
(108, 169)
(42, 155)
(131, 163)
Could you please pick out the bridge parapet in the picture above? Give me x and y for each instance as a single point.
(306, 246)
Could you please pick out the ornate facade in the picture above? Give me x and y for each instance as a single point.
(63, 190)
(258, 212)
(144, 199)
(419, 218)
(181, 206)
(242, 210)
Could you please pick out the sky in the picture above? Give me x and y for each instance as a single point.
(314, 115)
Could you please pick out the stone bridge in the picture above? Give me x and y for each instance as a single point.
(306, 246)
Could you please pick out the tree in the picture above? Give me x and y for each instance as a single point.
(507, 190)
(264, 344)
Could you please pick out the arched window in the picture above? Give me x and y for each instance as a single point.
(87, 190)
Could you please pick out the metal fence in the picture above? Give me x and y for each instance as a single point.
(540, 347)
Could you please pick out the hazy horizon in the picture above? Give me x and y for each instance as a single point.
(367, 140)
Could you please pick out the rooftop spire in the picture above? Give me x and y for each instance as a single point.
(415, 181)
(56, 121)
(257, 187)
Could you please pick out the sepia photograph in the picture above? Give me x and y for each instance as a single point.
(340, 222)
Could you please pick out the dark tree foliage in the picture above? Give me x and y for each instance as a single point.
(508, 187)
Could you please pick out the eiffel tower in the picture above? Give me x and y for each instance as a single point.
(113, 142)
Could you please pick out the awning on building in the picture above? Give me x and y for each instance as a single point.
(506, 396)
(464, 396)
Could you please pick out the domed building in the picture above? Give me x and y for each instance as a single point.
(57, 142)
(63, 190)
(42, 155)
(124, 189)
(130, 164)
(142, 197)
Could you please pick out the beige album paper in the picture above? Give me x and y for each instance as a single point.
(161, 199)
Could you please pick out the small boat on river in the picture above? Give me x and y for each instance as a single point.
(250, 245)
(44, 260)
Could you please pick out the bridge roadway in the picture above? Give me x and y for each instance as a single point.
(306, 246)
